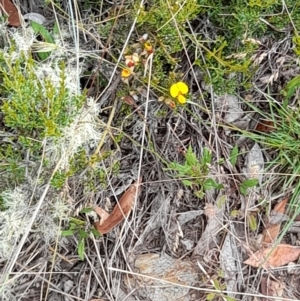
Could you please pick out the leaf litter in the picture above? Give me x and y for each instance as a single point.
(146, 249)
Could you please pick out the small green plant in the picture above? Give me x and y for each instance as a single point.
(215, 295)
(246, 184)
(78, 227)
(193, 172)
(33, 104)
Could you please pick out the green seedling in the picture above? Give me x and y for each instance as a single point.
(216, 295)
(79, 227)
(193, 172)
(246, 184)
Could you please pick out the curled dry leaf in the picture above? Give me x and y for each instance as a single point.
(273, 227)
(8, 8)
(273, 256)
(121, 210)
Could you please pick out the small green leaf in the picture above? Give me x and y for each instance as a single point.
(291, 86)
(95, 232)
(206, 158)
(210, 296)
(55, 28)
(234, 213)
(243, 190)
(190, 157)
(252, 222)
(83, 234)
(199, 194)
(86, 210)
(77, 221)
(217, 284)
(68, 232)
(40, 29)
(81, 249)
(210, 183)
(234, 155)
(250, 183)
(187, 183)
(221, 201)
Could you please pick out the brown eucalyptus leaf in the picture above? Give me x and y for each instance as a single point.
(273, 228)
(121, 210)
(273, 256)
(8, 8)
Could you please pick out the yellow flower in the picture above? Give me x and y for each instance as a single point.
(126, 73)
(178, 91)
(148, 47)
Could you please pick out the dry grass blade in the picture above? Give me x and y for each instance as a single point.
(121, 210)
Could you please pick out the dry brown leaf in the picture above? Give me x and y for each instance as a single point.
(102, 214)
(272, 230)
(271, 288)
(121, 210)
(8, 8)
(273, 256)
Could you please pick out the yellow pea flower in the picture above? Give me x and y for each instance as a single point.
(126, 73)
(178, 91)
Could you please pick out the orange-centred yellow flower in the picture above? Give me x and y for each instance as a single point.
(126, 73)
(178, 91)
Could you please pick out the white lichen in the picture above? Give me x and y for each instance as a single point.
(82, 132)
(14, 218)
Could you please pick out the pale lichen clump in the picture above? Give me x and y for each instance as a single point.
(14, 218)
(82, 132)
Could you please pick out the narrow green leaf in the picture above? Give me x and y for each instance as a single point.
(243, 190)
(55, 28)
(217, 284)
(40, 29)
(187, 183)
(77, 221)
(86, 210)
(68, 232)
(210, 183)
(250, 183)
(210, 296)
(234, 155)
(83, 234)
(206, 157)
(81, 249)
(252, 222)
(190, 157)
(95, 232)
(291, 86)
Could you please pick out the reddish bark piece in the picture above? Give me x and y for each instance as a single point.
(265, 126)
(8, 8)
(272, 229)
(273, 256)
(121, 210)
